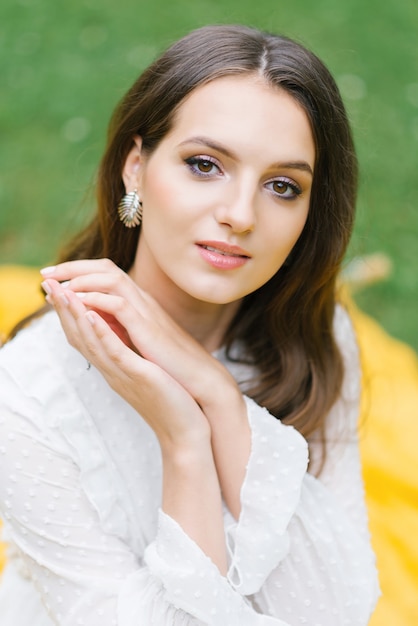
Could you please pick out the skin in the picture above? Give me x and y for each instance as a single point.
(236, 168)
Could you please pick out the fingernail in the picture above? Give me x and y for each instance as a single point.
(65, 283)
(48, 270)
(80, 294)
(45, 286)
(64, 299)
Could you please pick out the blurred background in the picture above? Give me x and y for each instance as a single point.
(64, 65)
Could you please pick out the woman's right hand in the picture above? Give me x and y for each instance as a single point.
(144, 325)
(167, 407)
(191, 489)
(148, 330)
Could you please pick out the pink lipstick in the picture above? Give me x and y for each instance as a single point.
(222, 255)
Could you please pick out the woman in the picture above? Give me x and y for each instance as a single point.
(155, 470)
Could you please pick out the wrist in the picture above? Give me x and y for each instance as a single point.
(220, 390)
(187, 450)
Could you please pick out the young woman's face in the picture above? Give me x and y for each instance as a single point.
(226, 193)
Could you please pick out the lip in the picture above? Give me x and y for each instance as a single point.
(222, 255)
(224, 248)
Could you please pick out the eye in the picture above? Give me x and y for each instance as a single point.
(202, 166)
(284, 188)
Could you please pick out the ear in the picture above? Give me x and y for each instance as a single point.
(131, 172)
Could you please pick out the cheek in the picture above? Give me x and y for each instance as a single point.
(166, 201)
(283, 232)
(156, 195)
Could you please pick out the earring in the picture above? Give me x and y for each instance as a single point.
(130, 209)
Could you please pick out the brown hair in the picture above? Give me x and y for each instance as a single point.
(286, 325)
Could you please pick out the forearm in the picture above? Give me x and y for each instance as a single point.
(192, 497)
(231, 442)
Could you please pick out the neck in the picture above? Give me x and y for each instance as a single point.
(207, 325)
(207, 322)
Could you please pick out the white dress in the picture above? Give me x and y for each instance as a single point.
(80, 496)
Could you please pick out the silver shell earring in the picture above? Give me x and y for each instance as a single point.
(130, 209)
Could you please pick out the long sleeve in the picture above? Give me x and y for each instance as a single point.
(88, 576)
(328, 574)
(297, 554)
(70, 513)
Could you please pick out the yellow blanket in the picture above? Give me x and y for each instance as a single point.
(388, 444)
(388, 436)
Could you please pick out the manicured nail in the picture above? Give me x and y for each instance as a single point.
(45, 286)
(65, 283)
(48, 270)
(80, 294)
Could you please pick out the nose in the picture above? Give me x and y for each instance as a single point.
(236, 208)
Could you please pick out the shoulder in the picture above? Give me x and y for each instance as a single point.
(346, 339)
(343, 327)
(341, 423)
(41, 343)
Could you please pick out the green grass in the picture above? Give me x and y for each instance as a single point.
(65, 65)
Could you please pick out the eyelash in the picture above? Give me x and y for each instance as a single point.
(194, 162)
(290, 184)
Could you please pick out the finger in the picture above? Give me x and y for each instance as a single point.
(163, 402)
(60, 301)
(115, 282)
(138, 381)
(70, 310)
(108, 352)
(121, 316)
(107, 355)
(148, 388)
(103, 275)
(72, 314)
(72, 269)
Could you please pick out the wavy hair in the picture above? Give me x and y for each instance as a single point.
(286, 326)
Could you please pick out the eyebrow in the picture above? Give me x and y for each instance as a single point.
(209, 143)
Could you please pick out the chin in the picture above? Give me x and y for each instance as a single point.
(214, 292)
(215, 297)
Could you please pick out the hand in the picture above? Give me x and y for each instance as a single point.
(168, 408)
(191, 489)
(142, 326)
(145, 327)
